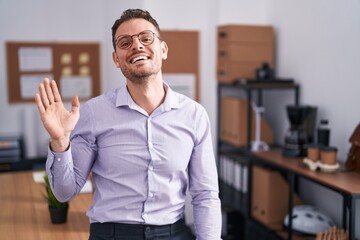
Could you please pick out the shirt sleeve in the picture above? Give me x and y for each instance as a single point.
(203, 183)
(69, 170)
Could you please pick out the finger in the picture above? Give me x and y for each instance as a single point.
(75, 104)
(48, 90)
(55, 91)
(39, 103)
(43, 96)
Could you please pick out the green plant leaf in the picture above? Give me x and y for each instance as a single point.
(51, 199)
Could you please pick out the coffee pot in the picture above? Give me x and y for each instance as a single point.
(301, 131)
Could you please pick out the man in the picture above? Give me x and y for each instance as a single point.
(142, 142)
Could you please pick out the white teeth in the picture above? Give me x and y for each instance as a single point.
(138, 58)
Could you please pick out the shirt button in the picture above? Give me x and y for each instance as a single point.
(59, 159)
(151, 145)
(151, 194)
(151, 168)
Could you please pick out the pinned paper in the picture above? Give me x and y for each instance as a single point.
(29, 84)
(84, 58)
(76, 86)
(66, 58)
(35, 59)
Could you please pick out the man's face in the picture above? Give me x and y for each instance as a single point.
(139, 62)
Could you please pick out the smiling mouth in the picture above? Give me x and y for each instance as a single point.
(139, 58)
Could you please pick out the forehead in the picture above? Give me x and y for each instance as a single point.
(134, 26)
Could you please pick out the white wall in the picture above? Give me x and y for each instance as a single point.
(317, 45)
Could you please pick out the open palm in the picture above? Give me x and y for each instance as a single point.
(57, 120)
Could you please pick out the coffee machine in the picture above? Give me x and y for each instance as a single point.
(302, 120)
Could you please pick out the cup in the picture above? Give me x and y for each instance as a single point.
(328, 155)
(313, 152)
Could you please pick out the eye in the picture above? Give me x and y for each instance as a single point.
(146, 38)
(124, 42)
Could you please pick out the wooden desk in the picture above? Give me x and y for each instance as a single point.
(25, 215)
(344, 182)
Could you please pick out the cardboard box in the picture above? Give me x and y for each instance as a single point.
(242, 49)
(227, 72)
(245, 33)
(246, 52)
(270, 196)
(233, 129)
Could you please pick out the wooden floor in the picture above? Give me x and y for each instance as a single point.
(24, 211)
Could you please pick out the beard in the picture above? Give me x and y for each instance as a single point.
(140, 76)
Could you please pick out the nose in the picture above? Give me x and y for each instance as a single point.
(136, 43)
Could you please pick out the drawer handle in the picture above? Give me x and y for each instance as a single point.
(222, 53)
(222, 34)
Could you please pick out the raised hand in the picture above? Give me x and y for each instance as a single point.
(57, 120)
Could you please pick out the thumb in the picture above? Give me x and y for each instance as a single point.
(75, 104)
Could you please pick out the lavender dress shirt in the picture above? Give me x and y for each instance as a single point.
(142, 164)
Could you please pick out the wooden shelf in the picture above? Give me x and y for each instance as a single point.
(342, 181)
(347, 183)
(262, 84)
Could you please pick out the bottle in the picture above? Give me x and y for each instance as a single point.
(323, 133)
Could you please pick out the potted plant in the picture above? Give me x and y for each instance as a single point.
(58, 210)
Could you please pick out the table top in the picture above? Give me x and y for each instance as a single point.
(25, 214)
(343, 181)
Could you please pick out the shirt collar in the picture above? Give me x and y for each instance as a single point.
(124, 99)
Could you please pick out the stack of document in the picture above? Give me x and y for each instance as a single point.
(234, 171)
(10, 149)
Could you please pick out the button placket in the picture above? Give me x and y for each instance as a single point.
(149, 133)
(150, 176)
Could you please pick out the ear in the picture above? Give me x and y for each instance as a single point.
(116, 59)
(164, 50)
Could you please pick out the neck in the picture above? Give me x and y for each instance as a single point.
(148, 95)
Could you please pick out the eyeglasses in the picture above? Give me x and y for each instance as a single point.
(145, 37)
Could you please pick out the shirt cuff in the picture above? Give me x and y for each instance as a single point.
(59, 158)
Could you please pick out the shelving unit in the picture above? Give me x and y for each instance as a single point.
(347, 184)
(230, 196)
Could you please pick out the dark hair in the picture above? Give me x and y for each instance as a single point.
(132, 14)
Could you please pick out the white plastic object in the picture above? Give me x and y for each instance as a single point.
(313, 166)
(309, 220)
(257, 145)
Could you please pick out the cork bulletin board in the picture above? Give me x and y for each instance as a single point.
(74, 66)
(183, 58)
